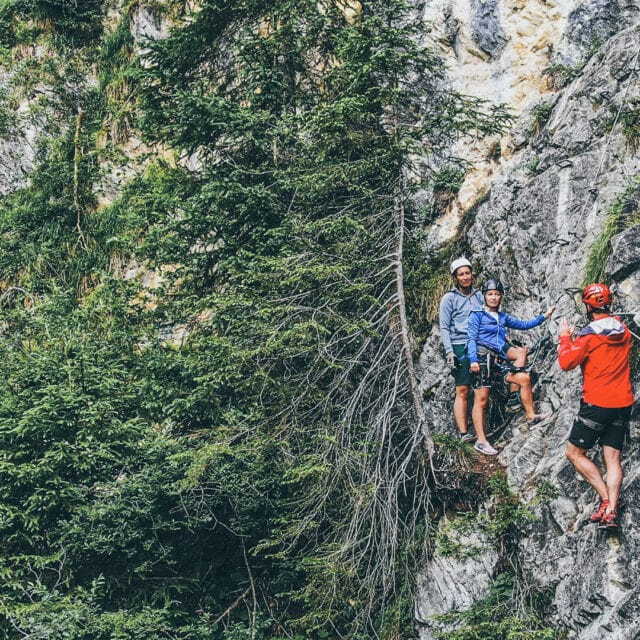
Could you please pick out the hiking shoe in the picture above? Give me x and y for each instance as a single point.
(513, 403)
(539, 419)
(610, 521)
(596, 516)
(486, 448)
(466, 437)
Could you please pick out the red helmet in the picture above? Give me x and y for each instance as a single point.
(596, 296)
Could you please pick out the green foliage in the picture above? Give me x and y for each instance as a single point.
(426, 285)
(75, 23)
(496, 617)
(291, 210)
(630, 123)
(546, 491)
(101, 533)
(452, 539)
(7, 112)
(560, 75)
(533, 164)
(9, 23)
(505, 521)
(398, 620)
(446, 183)
(118, 65)
(63, 23)
(194, 450)
(622, 214)
(509, 611)
(540, 115)
(510, 516)
(448, 179)
(41, 225)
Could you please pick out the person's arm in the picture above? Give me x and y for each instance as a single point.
(516, 323)
(571, 353)
(473, 327)
(445, 323)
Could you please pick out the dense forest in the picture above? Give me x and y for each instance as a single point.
(210, 426)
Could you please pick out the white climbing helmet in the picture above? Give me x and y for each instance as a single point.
(459, 262)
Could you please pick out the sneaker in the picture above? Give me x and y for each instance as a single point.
(610, 521)
(596, 516)
(513, 403)
(486, 448)
(466, 437)
(539, 419)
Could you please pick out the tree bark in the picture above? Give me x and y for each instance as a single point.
(404, 325)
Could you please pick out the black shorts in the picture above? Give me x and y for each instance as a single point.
(490, 371)
(483, 379)
(600, 425)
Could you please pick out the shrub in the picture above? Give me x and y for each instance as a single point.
(540, 116)
(630, 122)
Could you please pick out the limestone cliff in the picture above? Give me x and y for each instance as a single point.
(566, 170)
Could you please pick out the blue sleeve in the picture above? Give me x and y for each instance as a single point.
(515, 323)
(472, 333)
(445, 322)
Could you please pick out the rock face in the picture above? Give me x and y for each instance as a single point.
(19, 140)
(518, 53)
(625, 258)
(487, 30)
(568, 169)
(593, 22)
(452, 583)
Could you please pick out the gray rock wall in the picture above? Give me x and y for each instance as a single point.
(543, 214)
(488, 33)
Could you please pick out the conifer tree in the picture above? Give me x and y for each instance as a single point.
(240, 452)
(298, 120)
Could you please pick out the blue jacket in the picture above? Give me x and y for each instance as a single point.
(455, 308)
(484, 330)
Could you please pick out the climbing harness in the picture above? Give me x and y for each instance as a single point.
(496, 368)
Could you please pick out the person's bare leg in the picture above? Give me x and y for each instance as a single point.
(517, 355)
(480, 400)
(461, 408)
(526, 394)
(588, 470)
(614, 475)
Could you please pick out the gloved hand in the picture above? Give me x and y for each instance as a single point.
(451, 360)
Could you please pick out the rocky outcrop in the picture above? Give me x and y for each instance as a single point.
(449, 583)
(593, 22)
(22, 130)
(625, 257)
(488, 33)
(570, 165)
(538, 47)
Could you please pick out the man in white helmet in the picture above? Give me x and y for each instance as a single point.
(455, 307)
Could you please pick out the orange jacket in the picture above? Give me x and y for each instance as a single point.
(602, 350)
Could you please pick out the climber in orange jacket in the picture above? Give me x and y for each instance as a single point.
(602, 350)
